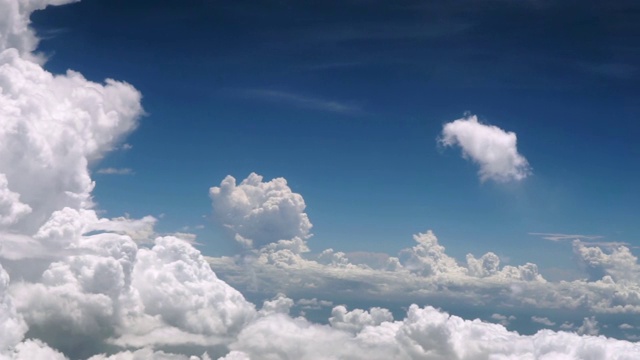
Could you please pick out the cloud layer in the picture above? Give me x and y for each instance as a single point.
(75, 285)
(492, 148)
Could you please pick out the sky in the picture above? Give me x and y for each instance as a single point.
(279, 179)
(346, 100)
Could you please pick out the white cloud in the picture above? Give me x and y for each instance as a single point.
(565, 237)
(302, 101)
(616, 263)
(492, 148)
(542, 320)
(503, 319)
(260, 213)
(14, 25)
(425, 333)
(87, 287)
(47, 145)
(115, 171)
(11, 209)
(356, 320)
(589, 327)
(313, 303)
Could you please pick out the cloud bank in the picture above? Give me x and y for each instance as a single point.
(490, 147)
(74, 285)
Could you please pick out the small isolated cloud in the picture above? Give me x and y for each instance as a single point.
(589, 327)
(503, 319)
(492, 148)
(542, 320)
(304, 101)
(625, 326)
(260, 212)
(115, 171)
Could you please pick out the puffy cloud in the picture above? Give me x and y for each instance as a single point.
(428, 257)
(589, 327)
(313, 303)
(11, 209)
(279, 305)
(176, 284)
(53, 127)
(425, 333)
(355, 320)
(14, 24)
(542, 320)
(12, 327)
(619, 264)
(147, 354)
(492, 148)
(105, 289)
(258, 212)
(503, 319)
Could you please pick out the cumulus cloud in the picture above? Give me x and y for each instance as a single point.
(82, 286)
(54, 126)
(425, 333)
(490, 147)
(260, 213)
(542, 320)
(356, 320)
(503, 319)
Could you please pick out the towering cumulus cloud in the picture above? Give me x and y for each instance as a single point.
(79, 283)
(492, 148)
(74, 285)
(260, 212)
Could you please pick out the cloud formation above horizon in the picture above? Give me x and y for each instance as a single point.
(75, 285)
(490, 147)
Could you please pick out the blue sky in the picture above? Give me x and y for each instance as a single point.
(303, 180)
(346, 101)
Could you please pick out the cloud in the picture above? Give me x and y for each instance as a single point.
(82, 286)
(503, 319)
(356, 320)
(425, 333)
(492, 148)
(115, 171)
(47, 145)
(565, 237)
(260, 213)
(589, 327)
(616, 263)
(542, 320)
(306, 102)
(313, 303)
(11, 209)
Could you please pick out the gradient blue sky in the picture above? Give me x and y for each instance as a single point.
(346, 99)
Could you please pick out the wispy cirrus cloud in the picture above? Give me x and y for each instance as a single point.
(565, 237)
(115, 171)
(303, 101)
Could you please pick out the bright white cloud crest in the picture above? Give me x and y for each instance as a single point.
(260, 213)
(74, 285)
(492, 148)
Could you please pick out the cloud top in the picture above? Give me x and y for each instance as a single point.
(260, 212)
(492, 148)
